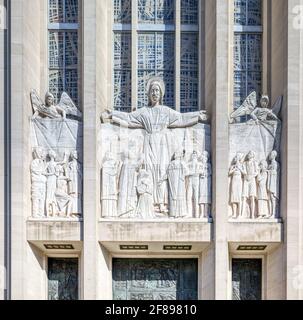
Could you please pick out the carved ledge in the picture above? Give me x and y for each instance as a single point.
(255, 231)
(239, 220)
(155, 231)
(53, 230)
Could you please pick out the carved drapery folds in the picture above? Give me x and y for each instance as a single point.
(56, 169)
(255, 135)
(155, 162)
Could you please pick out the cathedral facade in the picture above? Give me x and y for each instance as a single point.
(151, 149)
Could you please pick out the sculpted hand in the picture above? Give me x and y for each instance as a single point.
(203, 116)
(106, 115)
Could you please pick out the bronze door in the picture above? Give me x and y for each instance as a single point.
(62, 279)
(247, 279)
(155, 279)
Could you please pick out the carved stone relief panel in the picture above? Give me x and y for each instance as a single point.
(254, 150)
(155, 162)
(56, 168)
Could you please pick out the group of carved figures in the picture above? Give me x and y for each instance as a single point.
(254, 189)
(162, 183)
(129, 190)
(56, 186)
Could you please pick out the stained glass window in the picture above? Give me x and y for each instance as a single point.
(189, 12)
(122, 71)
(122, 11)
(63, 48)
(247, 49)
(156, 52)
(189, 72)
(156, 11)
(156, 58)
(248, 12)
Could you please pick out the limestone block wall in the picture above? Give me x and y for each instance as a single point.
(25, 74)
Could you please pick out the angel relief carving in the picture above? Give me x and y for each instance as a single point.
(56, 170)
(255, 175)
(257, 114)
(49, 110)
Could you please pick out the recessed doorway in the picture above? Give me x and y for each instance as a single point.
(155, 279)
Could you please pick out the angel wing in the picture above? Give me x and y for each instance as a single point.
(67, 104)
(37, 103)
(276, 109)
(247, 107)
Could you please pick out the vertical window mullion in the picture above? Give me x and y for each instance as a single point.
(177, 54)
(134, 45)
(200, 64)
(63, 68)
(246, 57)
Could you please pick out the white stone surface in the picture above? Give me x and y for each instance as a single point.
(254, 171)
(56, 169)
(120, 141)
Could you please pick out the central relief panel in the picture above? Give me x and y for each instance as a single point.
(155, 162)
(155, 279)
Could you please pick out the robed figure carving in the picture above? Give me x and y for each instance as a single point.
(156, 119)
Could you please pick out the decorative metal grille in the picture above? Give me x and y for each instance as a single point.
(122, 11)
(122, 71)
(189, 12)
(156, 58)
(63, 11)
(156, 11)
(63, 48)
(247, 49)
(248, 12)
(189, 72)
